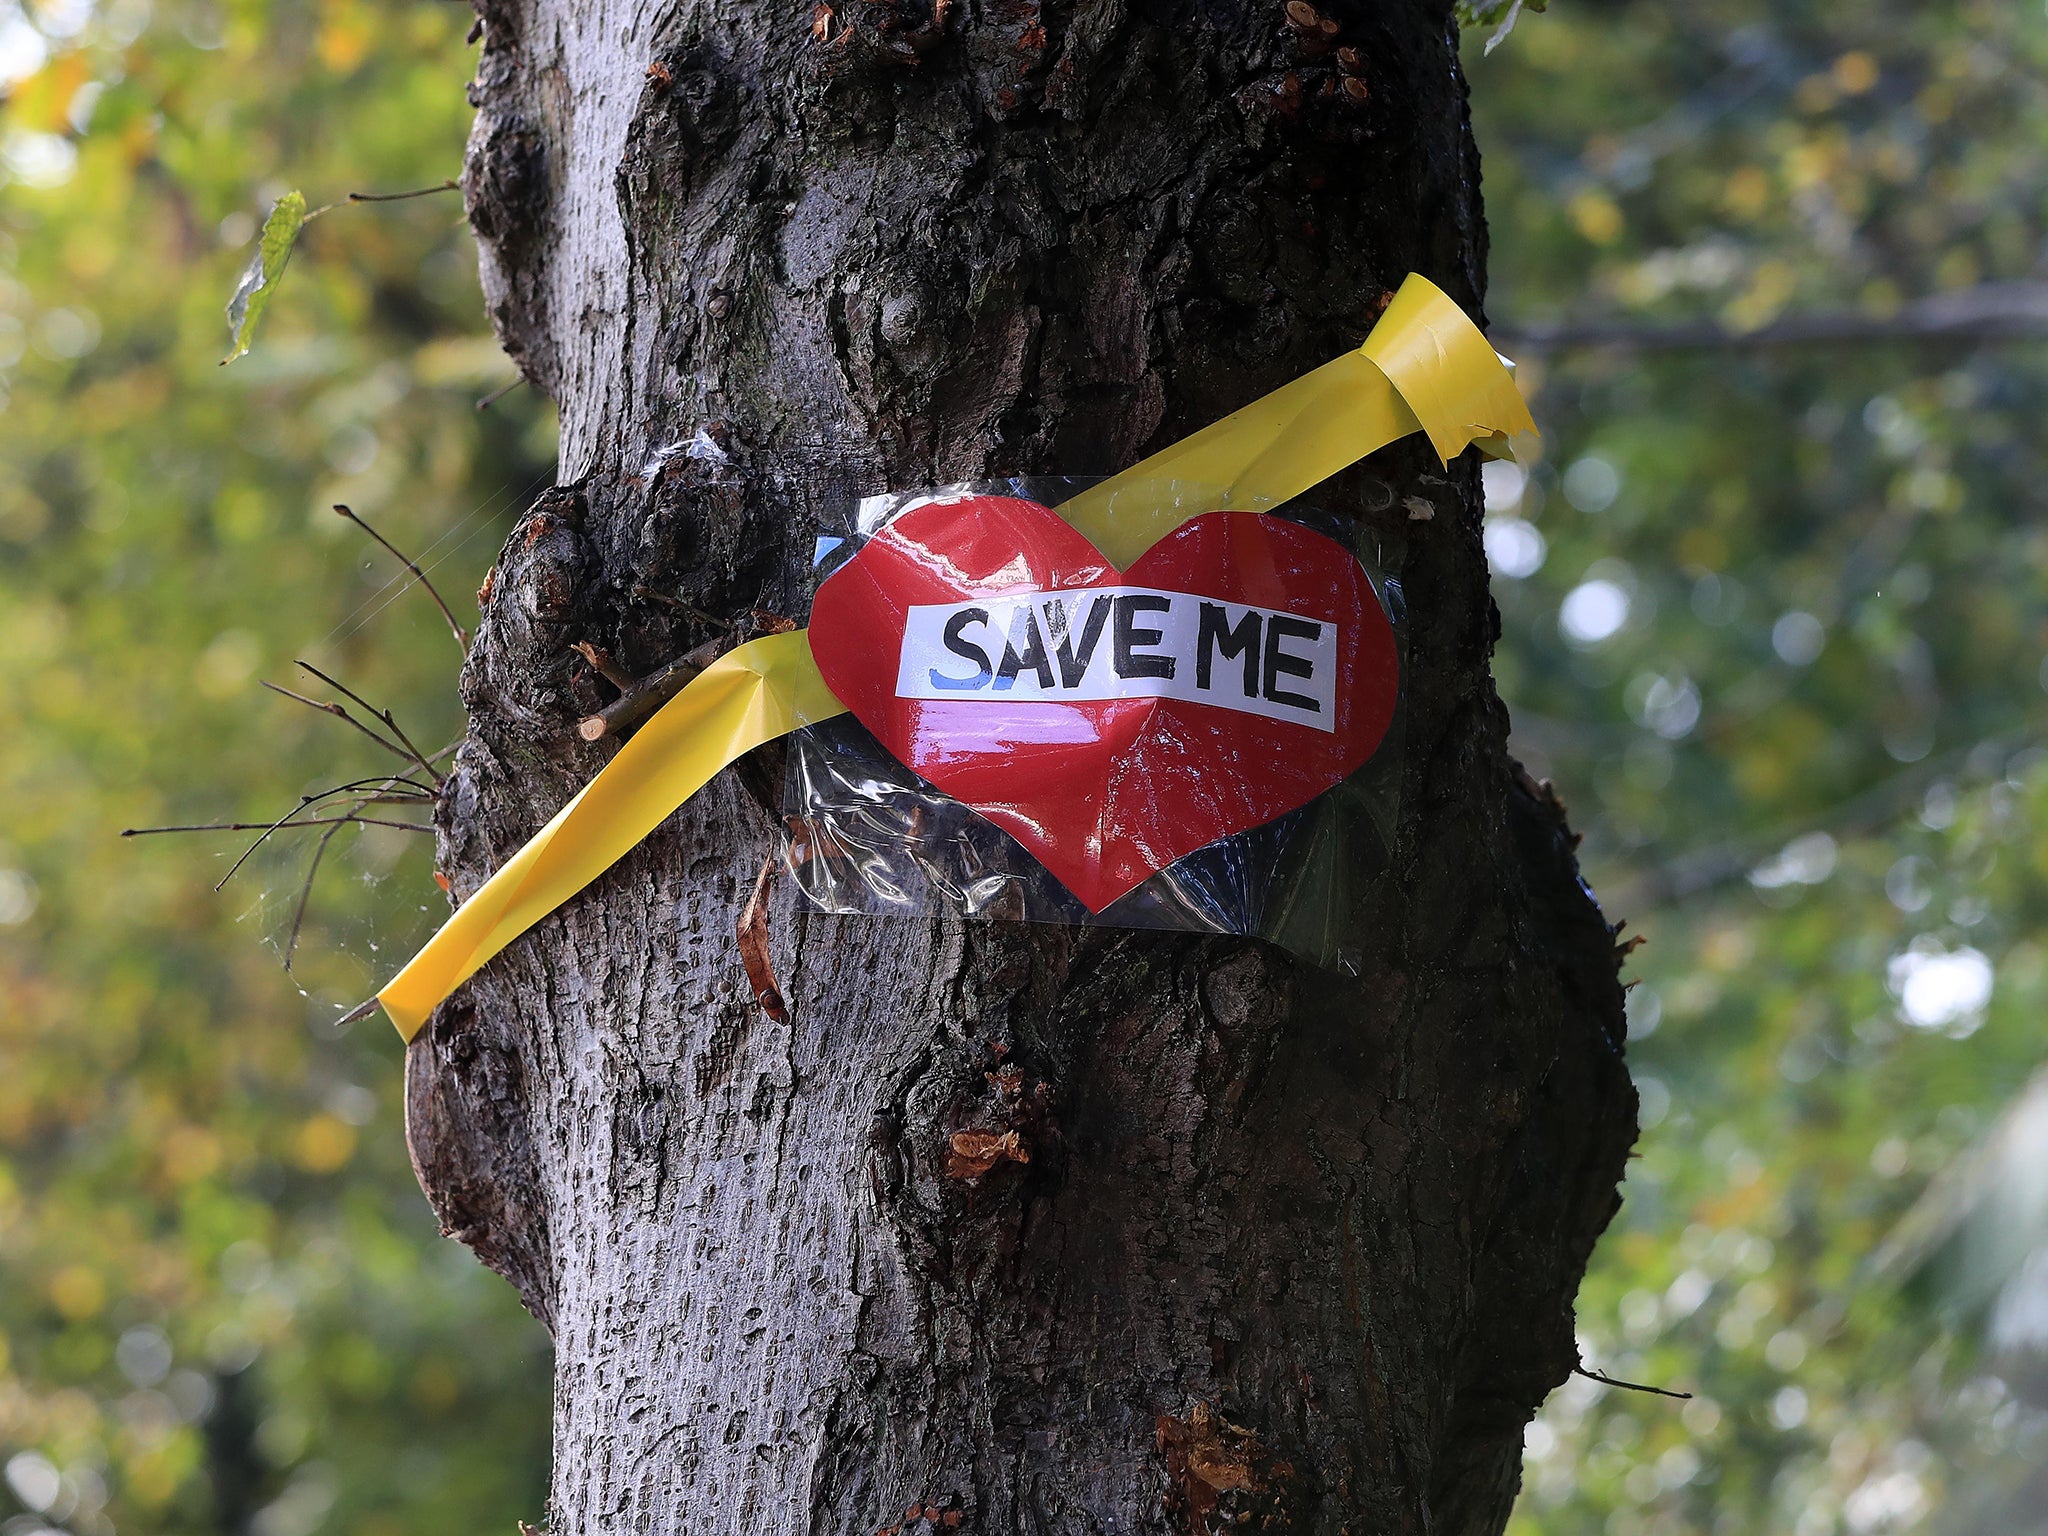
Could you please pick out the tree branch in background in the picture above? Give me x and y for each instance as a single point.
(1706, 869)
(461, 634)
(1988, 313)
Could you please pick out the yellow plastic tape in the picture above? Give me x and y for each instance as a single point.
(752, 694)
(1425, 367)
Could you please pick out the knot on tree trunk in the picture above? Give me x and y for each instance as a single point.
(519, 681)
(467, 1130)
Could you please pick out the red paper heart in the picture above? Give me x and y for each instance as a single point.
(1107, 791)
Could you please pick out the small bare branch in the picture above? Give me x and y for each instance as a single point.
(399, 197)
(394, 789)
(601, 662)
(361, 1010)
(461, 634)
(388, 787)
(499, 393)
(383, 715)
(647, 695)
(1628, 1386)
(307, 802)
(328, 708)
(279, 826)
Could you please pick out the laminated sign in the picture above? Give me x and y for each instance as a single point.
(1111, 721)
(1153, 700)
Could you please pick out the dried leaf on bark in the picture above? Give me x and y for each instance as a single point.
(970, 1154)
(753, 941)
(1206, 1457)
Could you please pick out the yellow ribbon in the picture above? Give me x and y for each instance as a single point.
(1426, 367)
(752, 694)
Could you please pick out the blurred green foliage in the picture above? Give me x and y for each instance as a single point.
(1774, 622)
(223, 1304)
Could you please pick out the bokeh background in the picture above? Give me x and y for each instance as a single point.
(1774, 604)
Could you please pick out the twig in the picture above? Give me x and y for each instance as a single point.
(461, 634)
(499, 393)
(648, 694)
(291, 943)
(381, 792)
(386, 792)
(307, 802)
(394, 787)
(399, 197)
(384, 715)
(291, 818)
(329, 708)
(1631, 1386)
(601, 661)
(278, 826)
(361, 1010)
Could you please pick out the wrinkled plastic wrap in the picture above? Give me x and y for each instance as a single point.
(868, 835)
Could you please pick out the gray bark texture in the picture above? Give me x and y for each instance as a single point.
(1269, 1249)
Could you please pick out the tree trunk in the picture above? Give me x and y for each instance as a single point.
(1290, 1251)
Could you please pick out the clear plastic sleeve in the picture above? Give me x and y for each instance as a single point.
(868, 835)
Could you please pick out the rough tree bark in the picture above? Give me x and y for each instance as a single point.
(1289, 1251)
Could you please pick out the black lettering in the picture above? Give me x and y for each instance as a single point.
(1214, 634)
(1073, 663)
(1130, 635)
(1284, 626)
(967, 650)
(1031, 658)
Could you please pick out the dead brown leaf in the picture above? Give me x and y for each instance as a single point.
(970, 1154)
(752, 935)
(1206, 1457)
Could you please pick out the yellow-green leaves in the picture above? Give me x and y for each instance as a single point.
(260, 278)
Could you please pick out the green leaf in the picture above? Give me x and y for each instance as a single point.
(260, 277)
(1479, 13)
